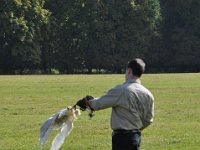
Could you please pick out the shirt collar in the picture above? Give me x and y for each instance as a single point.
(134, 81)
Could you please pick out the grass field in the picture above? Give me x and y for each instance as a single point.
(27, 101)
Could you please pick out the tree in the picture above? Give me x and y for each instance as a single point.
(128, 29)
(180, 29)
(67, 29)
(20, 22)
(80, 34)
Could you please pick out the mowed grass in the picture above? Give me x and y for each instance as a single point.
(27, 101)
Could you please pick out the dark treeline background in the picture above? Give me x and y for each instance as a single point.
(85, 36)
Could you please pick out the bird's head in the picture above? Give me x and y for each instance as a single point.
(73, 112)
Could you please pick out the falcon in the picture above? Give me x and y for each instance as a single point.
(62, 121)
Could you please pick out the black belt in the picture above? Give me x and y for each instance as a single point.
(122, 131)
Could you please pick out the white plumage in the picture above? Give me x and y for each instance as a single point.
(62, 120)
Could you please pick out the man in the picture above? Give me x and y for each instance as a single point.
(132, 108)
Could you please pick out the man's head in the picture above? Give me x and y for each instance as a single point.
(135, 68)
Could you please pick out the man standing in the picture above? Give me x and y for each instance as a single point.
(132, 108)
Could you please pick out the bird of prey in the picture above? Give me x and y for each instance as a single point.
(63, 121)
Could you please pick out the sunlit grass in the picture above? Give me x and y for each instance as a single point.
(27, 101)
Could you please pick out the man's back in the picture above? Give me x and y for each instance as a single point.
(134, 108)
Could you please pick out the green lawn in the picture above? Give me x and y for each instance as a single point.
(27, 101)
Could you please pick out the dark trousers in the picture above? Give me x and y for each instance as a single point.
(126, 140)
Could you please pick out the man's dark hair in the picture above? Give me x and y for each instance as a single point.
(138, 66)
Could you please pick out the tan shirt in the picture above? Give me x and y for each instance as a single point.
(132, 105)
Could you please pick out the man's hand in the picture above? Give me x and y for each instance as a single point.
(83, 102)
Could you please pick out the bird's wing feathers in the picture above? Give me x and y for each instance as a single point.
(46, 129)
(63, 119)
(60, 137)
(49, 125)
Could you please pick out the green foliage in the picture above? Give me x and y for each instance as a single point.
(120, 31)
(101, 34)
(181, 35)
(65, 33)
(72, 36)
(19, 28)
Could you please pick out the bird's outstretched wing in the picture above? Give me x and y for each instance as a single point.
(62, 120)
(49, 125)
(46, 129)
(60, 137)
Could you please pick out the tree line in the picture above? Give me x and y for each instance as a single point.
(86, 36)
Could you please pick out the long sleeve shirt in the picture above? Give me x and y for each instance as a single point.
(132, 105)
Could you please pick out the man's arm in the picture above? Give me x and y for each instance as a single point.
(150, 114)
(108, 100)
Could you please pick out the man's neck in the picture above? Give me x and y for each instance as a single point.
(132, 78)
